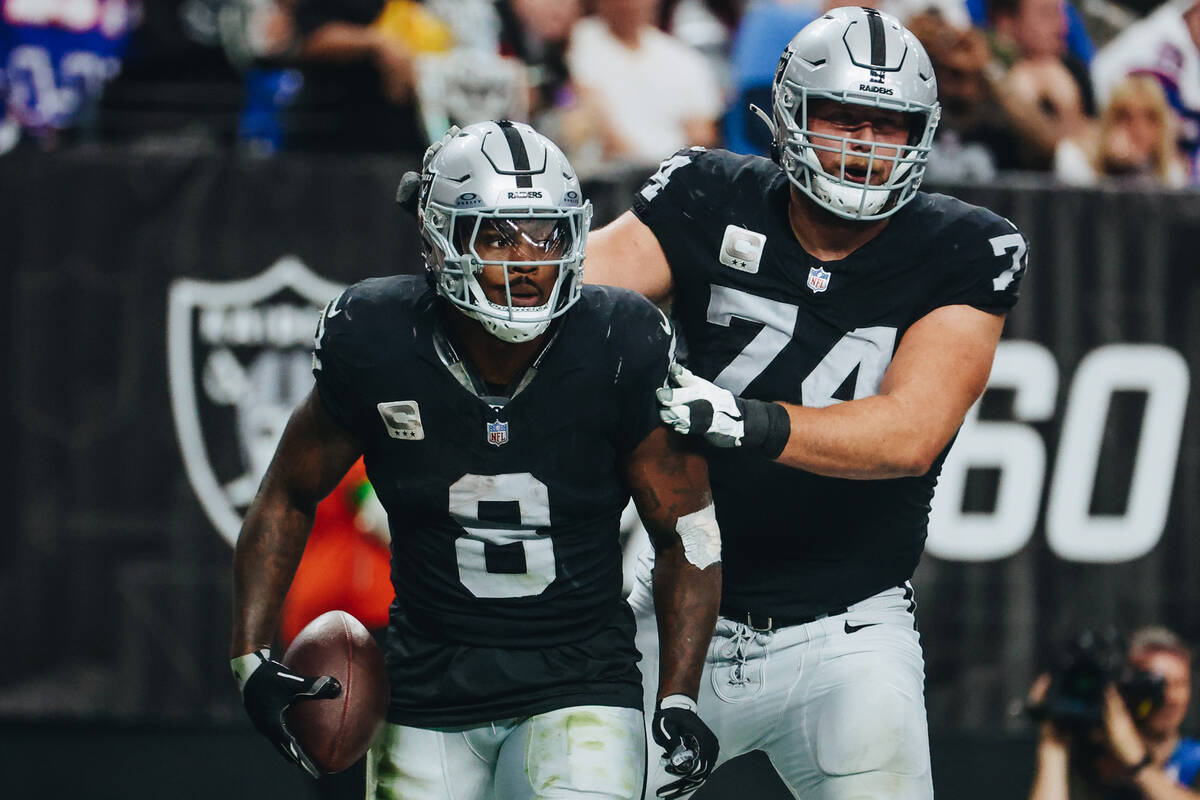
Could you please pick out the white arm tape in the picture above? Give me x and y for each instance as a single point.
(678, 701)
(244, 666)
(701, 536)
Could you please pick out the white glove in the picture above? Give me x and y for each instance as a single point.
(700, 408)
(696, 407)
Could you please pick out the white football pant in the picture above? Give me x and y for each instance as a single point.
(838, 704)
(593, 752)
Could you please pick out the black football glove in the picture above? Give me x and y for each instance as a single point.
(691, 748)
(268, 689)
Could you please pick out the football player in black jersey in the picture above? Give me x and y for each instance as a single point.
(839, 324)
(506, 413)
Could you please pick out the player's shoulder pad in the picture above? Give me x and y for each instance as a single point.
(634, 328)
(354, 322)
(962, 233)
(697, 176)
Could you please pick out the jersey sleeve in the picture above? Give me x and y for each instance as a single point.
(333, 360)
(984, 267)
(669, 200)
(647, 350)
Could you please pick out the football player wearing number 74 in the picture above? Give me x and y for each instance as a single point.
(839, 324)
(506, 413)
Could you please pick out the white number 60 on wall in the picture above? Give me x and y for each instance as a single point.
(1019, 453)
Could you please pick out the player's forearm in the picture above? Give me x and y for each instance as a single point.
(1050, 779)
(669, 481)
(686, 601)
(268, 551)
(871, 438)
(340, 41)
(313, 455)
(1156, 784)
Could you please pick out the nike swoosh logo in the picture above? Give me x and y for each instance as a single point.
(333, 309)
(848, 628)
(664, 323)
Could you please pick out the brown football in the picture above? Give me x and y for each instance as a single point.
(336, 733)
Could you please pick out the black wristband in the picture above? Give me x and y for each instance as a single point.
(1146, 761)
(766, 427)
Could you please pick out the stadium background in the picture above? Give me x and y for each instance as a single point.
(1074, 503)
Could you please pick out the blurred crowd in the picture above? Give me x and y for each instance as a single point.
(1085, 90)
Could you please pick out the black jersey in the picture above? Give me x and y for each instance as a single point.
(504, 512)
(765, 320)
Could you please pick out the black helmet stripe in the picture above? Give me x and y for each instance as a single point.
(878, 38)
(520, 156)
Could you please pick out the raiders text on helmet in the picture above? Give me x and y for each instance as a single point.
(862, 57)
(506, 175)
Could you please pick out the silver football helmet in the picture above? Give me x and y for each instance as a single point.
(863, 57)
(506, 181)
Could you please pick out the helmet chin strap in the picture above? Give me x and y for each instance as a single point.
(850, 199)
(758, 112)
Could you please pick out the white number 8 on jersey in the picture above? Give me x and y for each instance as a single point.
(532, 499)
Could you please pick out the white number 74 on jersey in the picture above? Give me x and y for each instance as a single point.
(868, 349)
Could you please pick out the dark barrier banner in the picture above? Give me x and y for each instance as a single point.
(160, 316)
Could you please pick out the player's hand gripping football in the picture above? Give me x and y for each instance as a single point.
(690, 747)
(268, 689)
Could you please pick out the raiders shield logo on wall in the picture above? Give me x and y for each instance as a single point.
(239, 359)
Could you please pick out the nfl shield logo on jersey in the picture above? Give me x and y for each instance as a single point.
(497, 433)
(818, 279)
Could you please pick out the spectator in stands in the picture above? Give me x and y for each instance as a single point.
(537, 32)
(1078, 41)
(1124, 759)
(1047, 90)
(359, 75)
(765, 29)
(975, 133)
(55, 61)
(707, 27)
(642, 93)
(1135, 139)
(1165, 44)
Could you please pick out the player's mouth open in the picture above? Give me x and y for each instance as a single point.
(857, 174)
(524, 296)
